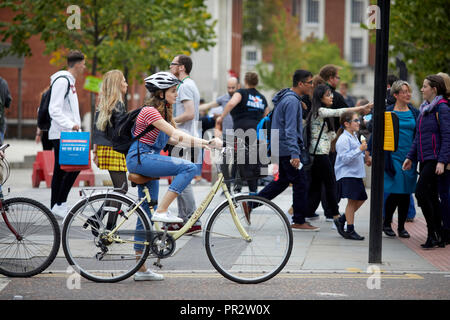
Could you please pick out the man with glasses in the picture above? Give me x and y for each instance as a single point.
(287, 119)
(186, 116)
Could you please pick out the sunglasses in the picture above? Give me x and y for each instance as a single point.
(356, 120)
(175, 64)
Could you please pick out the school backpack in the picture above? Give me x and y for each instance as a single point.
(44, 120)
(122, 137)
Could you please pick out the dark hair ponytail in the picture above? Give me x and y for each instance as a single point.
(345, 117)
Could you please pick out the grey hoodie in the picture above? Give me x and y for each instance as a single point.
(64, 112)
(287, 119)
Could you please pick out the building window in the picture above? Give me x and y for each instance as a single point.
(363, 78)
(356, 50)
(312, 10)
(357, 11)
(295, 8)
(251, 57)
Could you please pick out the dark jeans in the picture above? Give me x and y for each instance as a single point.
(288, 174)
(394, 201)
(444, 196)
(322, 178)
(62, 181)
(427, 196)
(328, 211)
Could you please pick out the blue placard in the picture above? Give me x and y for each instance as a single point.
(74, 148)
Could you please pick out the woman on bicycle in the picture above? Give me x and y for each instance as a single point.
(144, 154)
(163, 87)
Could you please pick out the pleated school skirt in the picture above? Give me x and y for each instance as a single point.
(111, 160)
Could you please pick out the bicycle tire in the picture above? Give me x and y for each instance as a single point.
(249, 262)
(40, 238)
(84, 249)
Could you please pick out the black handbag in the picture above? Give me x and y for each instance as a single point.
(306, 157)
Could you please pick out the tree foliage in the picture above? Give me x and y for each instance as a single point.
(136, 36)
(419, 33)
(289, 53)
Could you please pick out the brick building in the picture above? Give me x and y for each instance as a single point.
(340, 21)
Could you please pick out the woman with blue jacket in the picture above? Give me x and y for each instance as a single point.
(431, 147)
(400, 184)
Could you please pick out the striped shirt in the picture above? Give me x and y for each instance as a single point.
(147, 116)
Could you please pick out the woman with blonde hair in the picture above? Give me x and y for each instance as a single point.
(110, 107)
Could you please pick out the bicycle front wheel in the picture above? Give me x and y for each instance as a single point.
(256, 259)
(29, 237)
(92, 251)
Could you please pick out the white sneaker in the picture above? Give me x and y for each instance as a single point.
(60, 210)
(167, 217)
(148, 275)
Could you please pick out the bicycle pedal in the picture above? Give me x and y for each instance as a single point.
(157, 264)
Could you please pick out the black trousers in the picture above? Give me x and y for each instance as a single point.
(427, 196)
(322, 174)
(62, 181)
(394, 201)
(289, 174)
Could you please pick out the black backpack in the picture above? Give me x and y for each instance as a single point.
(122, 137)
(43, 119)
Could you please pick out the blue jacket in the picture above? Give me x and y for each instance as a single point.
(432, 139)
(287, 119)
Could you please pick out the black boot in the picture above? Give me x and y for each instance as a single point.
(433, 240)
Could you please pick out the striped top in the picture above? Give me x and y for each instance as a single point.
(147, 116)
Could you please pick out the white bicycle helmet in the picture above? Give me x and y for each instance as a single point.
(161, 81)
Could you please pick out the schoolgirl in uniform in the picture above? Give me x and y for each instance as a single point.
(349, 170)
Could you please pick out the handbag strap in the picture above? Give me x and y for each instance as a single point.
(318, 140)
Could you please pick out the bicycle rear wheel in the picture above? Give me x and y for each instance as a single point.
(255, 260)
(86, 244)
(36, 244)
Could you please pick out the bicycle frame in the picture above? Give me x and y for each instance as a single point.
(195, 216)
(202, 208)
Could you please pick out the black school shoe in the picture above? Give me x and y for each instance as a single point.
(354, 236)
(340, 228)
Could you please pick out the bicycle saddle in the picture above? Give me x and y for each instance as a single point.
(136, 179)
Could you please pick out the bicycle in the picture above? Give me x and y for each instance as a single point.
(29, 233)
(248, 239)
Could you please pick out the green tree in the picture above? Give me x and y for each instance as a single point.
(289, 53)
(419, 34)
(136, 36)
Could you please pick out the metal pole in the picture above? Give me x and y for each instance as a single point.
(376, 194)
(19, 108)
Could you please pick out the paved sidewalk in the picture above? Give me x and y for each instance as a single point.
(323, 251)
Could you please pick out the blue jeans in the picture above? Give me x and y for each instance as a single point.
(155, 165)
